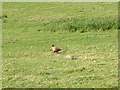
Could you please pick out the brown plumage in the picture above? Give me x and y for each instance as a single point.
(56, 49)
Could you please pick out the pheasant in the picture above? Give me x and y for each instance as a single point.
(56, 49)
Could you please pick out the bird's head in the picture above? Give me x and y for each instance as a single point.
(52, 45)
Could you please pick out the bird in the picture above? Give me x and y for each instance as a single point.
(56, 49)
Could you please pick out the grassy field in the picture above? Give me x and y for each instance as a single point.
(87, 31)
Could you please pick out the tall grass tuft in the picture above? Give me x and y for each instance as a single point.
(82, 24)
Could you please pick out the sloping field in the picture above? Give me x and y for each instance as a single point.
(87, 31)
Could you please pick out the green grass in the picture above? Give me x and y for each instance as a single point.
(86, 30)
